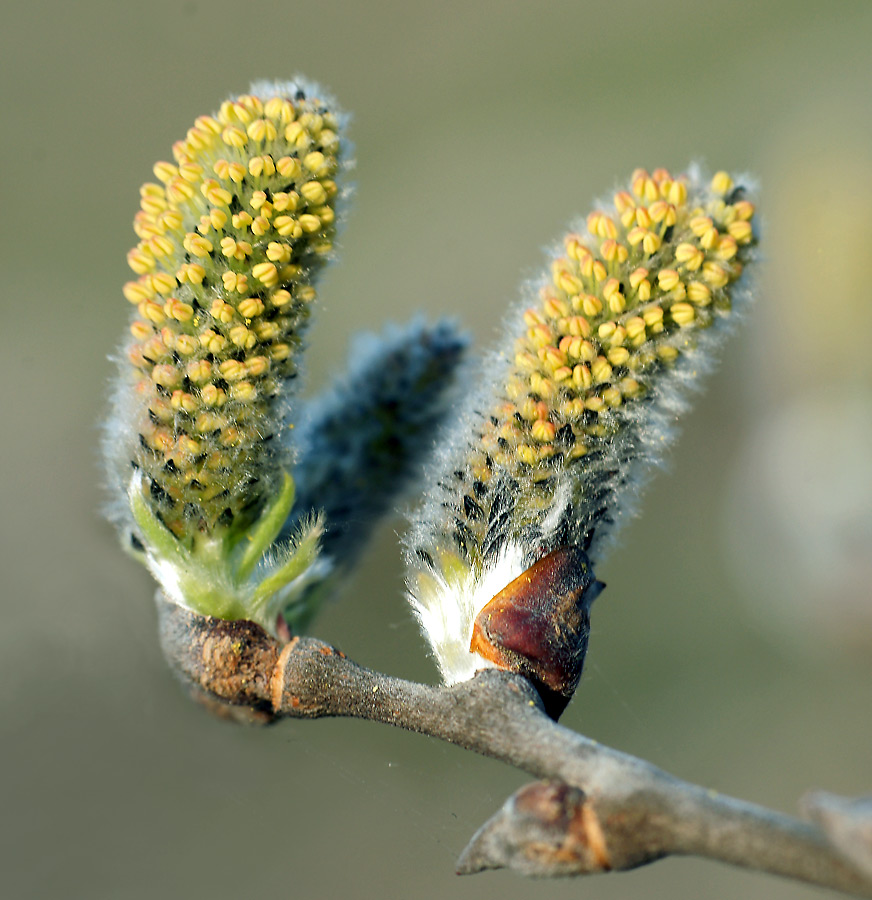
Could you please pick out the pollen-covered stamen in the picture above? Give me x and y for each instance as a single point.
(579, 404)
(231, 234)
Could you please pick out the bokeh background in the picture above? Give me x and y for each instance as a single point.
(734, 643)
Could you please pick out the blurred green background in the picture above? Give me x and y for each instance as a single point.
(732, 646)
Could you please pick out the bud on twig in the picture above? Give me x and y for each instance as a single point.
(569, 416)
(232, 237)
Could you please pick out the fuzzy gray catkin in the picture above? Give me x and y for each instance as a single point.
(578, 404)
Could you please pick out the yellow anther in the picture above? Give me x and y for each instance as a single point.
(250, 307)
(262, 166)
(722, 183)
(654, 319)
(314, 193)
(217, 218)
(234, 281)
(567, 282)
(181, 312)
(212, 341)
(186, 344)
(262, 130)
(639, 179)
(668, 279)
(602, 226)
(700, 225)
(544, 387)
(135, 292)
(600, 370)
(214, 193)
(280, 109)
(599, 271)
(309, 223)
(258, 200)
(540, 335)
(527, 455)
(257, 366)
(682, 313)
(277, 252)
(221, 311)
(689, 255)
(170, 220)
(606, 330)
(166, 375)
(141, 330)
(180, 191)
(160, 245)
(183, 401)
(727, 247)
(280, 299)
(543, 431)
(279, 352)
(242, 337)
(699, 293)
(314, 162)
(581, 377)
(677, 193)
(266, 273)
(210, 395)
(715, 275)
(661, 211)
(296, 134)
(637, 276)
(191, 171)
(651, 243)
(577, 326)
(576, 248)
(141, 260)
(193, 273)
(624, 201)
(289, 167)
(244, 391)
(709, 240)
(594, 403)
(208, 124)
(667, 353)
(635, 328)
(591, 306)
(260, 226)
(241, 220)
(643, 217)
(552, 357)
(555, 308)
(614, 252)
(232, 370)
(636, 235)
(306, 293)
(207, 422)
(286, 200)
(266, 331)
(740, 231)
(234, 137)
(165, 172)
(199, 371)
(234, 249)
(744, 209)
(197, 244)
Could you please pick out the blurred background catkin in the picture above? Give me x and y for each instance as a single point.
(733, 643)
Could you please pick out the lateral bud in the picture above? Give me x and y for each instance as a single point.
(538, 625)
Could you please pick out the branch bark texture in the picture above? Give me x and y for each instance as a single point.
(595, 809)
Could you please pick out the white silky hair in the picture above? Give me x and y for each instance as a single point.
(447, 613)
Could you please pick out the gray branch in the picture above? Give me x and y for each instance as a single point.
(597, 810)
